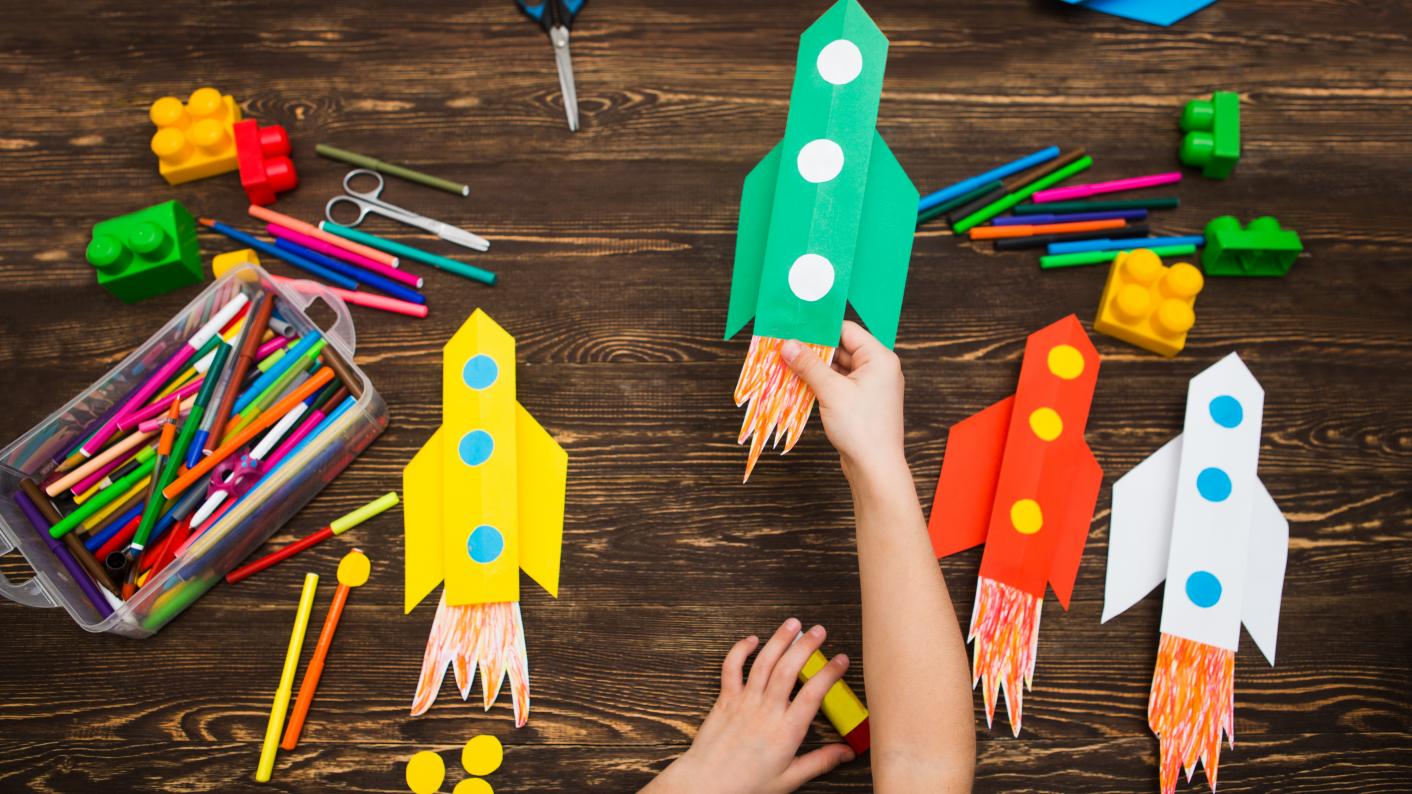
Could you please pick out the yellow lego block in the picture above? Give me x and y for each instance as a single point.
(1147, 304)
(197, 139)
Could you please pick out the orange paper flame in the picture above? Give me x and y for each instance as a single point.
(491, 635)
(1005, 627)
(1193, 700)
(780, 402)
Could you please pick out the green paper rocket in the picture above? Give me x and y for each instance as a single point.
(827, 217)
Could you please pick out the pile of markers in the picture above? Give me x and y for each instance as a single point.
(222, 414)
(349, 260)
(1070, 230)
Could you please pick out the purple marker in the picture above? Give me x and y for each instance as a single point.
(1075, 217)
(85, 582)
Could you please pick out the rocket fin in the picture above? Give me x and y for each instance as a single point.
(421, 519)
(757, 197)
(1265, 572)
(885, 233)
(1086, 478)
(1140, 529)
(970, 469)
(544, 470)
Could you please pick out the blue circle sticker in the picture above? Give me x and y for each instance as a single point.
(480, 372)
(476, 447)
(485, 544)
(1226, 411)
(1204, 589)
(1213, 484)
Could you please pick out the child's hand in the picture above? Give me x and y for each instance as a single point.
(748, 742)
(860, 397)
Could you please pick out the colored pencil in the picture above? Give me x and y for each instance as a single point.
(449, 265)
(287, 256)
(359, 276)
(159, 378)
(1128, 244)
(353, 572)
(969, 185)
(1043, 240)
(1113, 186)
(286, 679)
(351, 257)
(270, 216)
(259, 321)
(1155, 203)
(1028, 230)
(265, 420)
(990, 211)
(1129, 215)
(335, 527)
(1105, 257)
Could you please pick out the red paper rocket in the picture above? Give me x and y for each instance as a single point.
(1019, 477)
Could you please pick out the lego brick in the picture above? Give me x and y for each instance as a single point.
(1147, 304)
(1263, 248)
(196, 139)
(263, 156)
(147, 253)
(1212, 141)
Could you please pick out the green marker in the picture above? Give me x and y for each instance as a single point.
(1104, 257)
(995, 208)
(1058, 207)
(364, 161)
(102, 499)
(262, 401)
(961, 200)
(416, 254)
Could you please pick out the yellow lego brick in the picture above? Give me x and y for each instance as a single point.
(480, 483)
(1147, 304)
(197, 139)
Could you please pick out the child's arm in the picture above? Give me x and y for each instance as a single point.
(920, 712)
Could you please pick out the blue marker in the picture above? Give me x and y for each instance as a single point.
(967, 185)
(1130, 244)
(291, 355)
(1076, 217)
(292, 258)
(357, 274)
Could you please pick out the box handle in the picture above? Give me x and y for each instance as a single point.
(302, 293)
(30, 593)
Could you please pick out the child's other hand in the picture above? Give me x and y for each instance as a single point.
(748, 742)
(860, 397)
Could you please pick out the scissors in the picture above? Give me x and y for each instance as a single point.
(369, 201)
(555, 16)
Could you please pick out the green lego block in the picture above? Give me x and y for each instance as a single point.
(1212, 141)
(1261, 249)
(150, 252)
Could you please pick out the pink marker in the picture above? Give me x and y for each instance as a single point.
(158, 409)
(366, 299)
(401, 276)
(1098, 188)
(161, 376)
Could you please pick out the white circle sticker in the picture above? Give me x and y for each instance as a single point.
(811, 277)
(840, 62)
(820, 160)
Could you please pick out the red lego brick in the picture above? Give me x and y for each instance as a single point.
(265, 167)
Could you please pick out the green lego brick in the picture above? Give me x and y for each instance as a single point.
(1212, 141)
(1261, 249)
(147, 253)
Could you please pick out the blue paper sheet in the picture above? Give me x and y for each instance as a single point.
(1154, 12)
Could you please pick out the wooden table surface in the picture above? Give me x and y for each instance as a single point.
(614, 247)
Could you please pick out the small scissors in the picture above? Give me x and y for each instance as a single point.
(369, 201)
(555, 16)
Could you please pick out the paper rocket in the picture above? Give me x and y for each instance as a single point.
(826, 219)
(484, 500)
(1019, 477)
(1196, 515)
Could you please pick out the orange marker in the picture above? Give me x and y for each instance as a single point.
(353, 571)
(1025, 230)
(261, 423)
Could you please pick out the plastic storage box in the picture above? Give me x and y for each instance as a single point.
(235, 535)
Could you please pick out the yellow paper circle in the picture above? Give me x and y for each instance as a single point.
(1046, 423)
(1025, 516)
(482, 755)
(425, 772)
(473, 785)
(1066, 361)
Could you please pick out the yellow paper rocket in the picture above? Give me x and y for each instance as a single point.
(484, 499)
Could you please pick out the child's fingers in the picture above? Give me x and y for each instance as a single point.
(765, 660)
(732, 669)
(843, 361)
(806, 767)
(787, 671)
(855, 340)
(811, 695)
(812, 370)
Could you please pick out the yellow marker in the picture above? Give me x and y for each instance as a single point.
(845, 711)
(286, 679)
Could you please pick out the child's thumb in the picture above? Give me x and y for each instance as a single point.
(811, 369)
